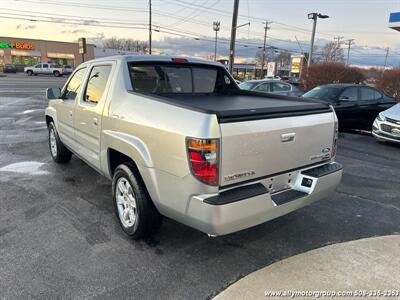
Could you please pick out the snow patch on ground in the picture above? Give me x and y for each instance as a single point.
(25, 167)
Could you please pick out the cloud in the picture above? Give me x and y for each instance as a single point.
(75, 31)
(25, 27)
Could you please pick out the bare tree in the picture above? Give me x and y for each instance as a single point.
(331, 52)
(269, 56)
(125, 44)
(284, 59)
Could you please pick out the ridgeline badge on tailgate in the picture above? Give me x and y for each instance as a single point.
(325, 154)
(239, 175)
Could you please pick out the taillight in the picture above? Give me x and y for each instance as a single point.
(335, 137)
(203, 159)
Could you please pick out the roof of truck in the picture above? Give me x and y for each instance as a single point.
(155, 58)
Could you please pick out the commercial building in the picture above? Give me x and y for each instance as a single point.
(27, 52)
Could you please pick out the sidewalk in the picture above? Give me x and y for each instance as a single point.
(367, 264)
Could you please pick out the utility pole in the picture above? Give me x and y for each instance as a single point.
(386, 57)
(233, 35)
(336, 54)
(150, 27)
(265, 41)
(216, 28)
(314, 17)
(349, 43)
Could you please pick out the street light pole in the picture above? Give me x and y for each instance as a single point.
(314, 17)
(150, 27)
(216, 28)
(233, 35)
(265, 41)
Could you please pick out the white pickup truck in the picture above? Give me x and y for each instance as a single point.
(178, 138)
(45, 69)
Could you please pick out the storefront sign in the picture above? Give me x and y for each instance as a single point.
(82, 45)
(16, 45)
(296, 65)
(271, 69)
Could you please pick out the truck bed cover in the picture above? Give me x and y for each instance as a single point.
(245, 105)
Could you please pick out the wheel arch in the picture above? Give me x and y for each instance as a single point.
(117, 157)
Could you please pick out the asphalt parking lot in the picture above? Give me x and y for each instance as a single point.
(59, 237)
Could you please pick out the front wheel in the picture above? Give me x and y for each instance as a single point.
(56, 74)
(135, 210)
(58, 151)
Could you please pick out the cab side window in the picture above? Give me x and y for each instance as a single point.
(45, 66)
(349, 94)
(97, 82)
(74, 85)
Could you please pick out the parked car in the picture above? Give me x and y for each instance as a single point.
(44, 69)
(386, 126)
(9, 68)
(67, 70)
(169, 133)
(271, 86)
(356, 106)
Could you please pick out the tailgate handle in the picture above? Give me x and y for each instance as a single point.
(287, 137)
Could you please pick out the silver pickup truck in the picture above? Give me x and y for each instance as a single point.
(178, 138)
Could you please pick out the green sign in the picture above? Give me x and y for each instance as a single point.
(5, 45)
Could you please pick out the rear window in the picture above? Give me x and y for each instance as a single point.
(170, 78)
(325, 93)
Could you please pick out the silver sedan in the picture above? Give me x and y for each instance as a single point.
(271, 86)
(386, 126)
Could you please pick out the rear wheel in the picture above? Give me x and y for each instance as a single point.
(58, 151)
(29, 72)
(134, 208)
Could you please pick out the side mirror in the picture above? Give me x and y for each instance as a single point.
(53, 93)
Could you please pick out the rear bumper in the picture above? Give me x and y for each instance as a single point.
(253, 204)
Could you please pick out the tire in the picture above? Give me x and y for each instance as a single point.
(138, 217)
(58, 151)
(56, 74)
(29, 72)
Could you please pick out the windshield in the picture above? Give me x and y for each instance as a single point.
(327, 93)
(248, 85)
(172, 78)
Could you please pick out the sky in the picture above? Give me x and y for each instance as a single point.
(185, 26)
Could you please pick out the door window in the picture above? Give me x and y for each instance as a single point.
(349, 94)
(98, 79)
(45, 66)
(280, 87)
(74, 85)
(367, 94)
(378, 95)
(38, 66)
(264, 87)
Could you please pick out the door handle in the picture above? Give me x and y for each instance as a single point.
(95, 121)
(70, 113)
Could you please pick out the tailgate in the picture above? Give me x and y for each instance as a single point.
(259, 148)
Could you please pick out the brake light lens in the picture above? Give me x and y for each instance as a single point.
(179, 60)
(203, 159)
